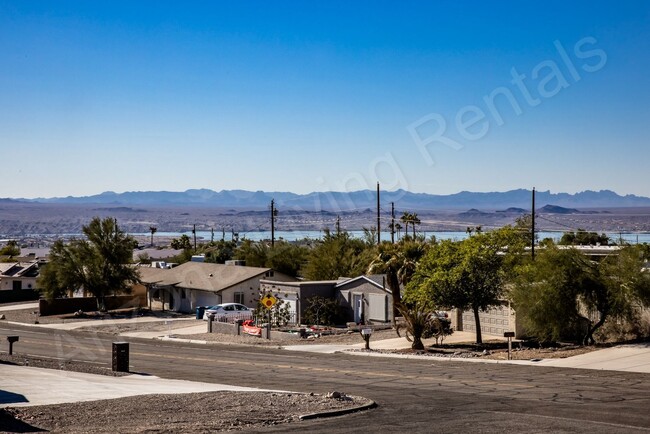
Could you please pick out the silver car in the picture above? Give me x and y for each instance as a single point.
(228, 312)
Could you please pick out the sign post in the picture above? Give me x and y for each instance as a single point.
(268, 301)
(509, 335)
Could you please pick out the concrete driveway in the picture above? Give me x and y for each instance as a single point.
(26, 386)
(625, 358)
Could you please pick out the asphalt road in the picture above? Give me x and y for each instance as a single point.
(413, 395)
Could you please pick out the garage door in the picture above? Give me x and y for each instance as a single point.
(495, 322)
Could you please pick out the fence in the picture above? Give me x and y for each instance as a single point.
(17, 295)
(276, 319)
(60, 306)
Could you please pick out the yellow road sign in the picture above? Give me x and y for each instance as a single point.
(269, 301)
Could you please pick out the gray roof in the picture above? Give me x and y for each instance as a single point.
(202, 276)
(374, 279)
(19, 269)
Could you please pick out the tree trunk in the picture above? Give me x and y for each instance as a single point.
(417, 342)
(477, 321)
(393, 284)
(589, 337)
(101, 303)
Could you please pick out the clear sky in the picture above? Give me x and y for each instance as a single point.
(324, 95)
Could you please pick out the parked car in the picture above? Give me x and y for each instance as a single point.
(228, 312)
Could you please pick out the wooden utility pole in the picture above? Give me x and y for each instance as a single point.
(338, 224)
(274, 212)
(392, 222)
(378, 218)
(194, 233)
(532, 231)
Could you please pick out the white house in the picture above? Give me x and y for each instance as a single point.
(194, 284)
(18, 275)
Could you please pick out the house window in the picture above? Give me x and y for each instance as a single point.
(17, 285)
(239, 297)
(269, 274)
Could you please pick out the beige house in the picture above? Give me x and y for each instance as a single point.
(195, 284)
(18, 275)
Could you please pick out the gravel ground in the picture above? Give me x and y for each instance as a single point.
(340, 338)
(194, 412)
(496, 352)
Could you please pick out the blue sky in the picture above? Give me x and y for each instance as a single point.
(316, 96)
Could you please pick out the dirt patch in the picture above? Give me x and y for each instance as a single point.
(338, 337)
(497, 351)
(195, 412)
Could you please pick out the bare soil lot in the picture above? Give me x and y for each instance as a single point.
(194, 412)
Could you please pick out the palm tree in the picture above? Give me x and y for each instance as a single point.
(406, 219)
(398, 228)
(153, 230)
(414, 221)
(398, 262)
(417, 316)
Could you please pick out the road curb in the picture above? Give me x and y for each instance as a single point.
(333, 413)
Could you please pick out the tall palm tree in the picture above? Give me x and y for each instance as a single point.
(153, 230)
(398, 262)
(414, 221)
(406, 219)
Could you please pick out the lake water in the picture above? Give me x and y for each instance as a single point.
(632, 238)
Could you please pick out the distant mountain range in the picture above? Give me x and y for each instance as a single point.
(515, 200)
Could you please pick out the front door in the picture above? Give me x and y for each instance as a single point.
(357, 302)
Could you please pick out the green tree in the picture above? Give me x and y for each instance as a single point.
(100, 264)
(468, 275)
(338, 255)
(182, 243)
(287, 258)
(417, 316)
(545, 293)
(254, 253)
(398, 262)
(566, 295)
(10, 249)
(284, 257)
(153, 230)
(583, 238)
(322, 311)
(409, 218)
(219, 251)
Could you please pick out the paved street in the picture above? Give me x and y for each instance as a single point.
(414, 395)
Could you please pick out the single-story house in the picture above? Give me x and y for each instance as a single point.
(364, 299)
(18, 275)
(194, 284)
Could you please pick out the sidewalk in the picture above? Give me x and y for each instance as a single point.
(26, 386)
(624, 358)
(19, 306)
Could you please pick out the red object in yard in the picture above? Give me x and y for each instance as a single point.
(251, 329)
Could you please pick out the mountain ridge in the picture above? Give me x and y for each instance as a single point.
(342, 201)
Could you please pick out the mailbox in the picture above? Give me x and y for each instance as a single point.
(11, 340)
(121, 356)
